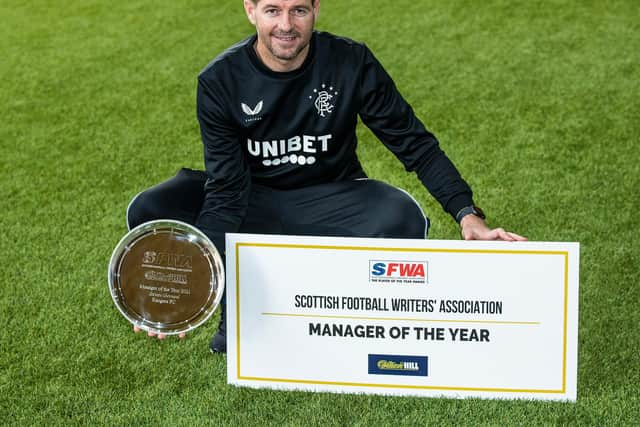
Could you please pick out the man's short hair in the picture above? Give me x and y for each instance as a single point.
(256, 2)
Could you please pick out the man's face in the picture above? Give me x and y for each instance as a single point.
(284, 29)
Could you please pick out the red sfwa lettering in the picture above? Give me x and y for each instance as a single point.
(418, 270)
(392, 267)
(406, 270)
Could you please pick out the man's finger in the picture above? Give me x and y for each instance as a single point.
(182, 335)
(518, 237)
(504, 235)
(509, 236)
(495, 234)
(136, 329)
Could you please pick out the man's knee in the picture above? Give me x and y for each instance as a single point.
(179, 198)
(397, 213)
(141, 209)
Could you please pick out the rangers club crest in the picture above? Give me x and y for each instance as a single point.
(323, 99)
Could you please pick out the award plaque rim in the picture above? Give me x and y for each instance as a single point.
(194, 235)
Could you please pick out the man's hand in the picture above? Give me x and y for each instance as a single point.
(474, 228)
(160, 336)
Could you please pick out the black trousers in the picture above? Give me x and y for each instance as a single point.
(355, 208)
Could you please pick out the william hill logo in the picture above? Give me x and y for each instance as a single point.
(386, 364)
(407, 272)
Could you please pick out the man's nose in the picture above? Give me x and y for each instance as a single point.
(285, 22)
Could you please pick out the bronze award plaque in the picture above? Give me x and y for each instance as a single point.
(166, 277)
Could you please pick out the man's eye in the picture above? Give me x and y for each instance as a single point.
(300, 12)
(271, 12)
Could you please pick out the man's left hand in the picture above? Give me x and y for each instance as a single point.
(474, 228)
(136, 329)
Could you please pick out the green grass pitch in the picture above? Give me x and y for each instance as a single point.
(537, 102)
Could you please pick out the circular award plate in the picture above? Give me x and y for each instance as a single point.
(166, 277)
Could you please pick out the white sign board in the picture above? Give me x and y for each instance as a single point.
(403, 317)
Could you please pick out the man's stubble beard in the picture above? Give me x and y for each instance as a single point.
(290, 56)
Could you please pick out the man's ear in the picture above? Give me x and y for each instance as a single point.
(250, 9)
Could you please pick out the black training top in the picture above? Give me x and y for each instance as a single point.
(294, 129)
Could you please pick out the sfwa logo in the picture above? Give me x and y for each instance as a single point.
(407, 272)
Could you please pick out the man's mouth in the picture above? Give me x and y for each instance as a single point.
(286, 38)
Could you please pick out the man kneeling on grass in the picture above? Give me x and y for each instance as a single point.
(278, 114)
